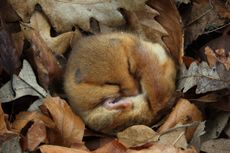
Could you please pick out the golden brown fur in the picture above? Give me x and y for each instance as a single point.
(120, 67)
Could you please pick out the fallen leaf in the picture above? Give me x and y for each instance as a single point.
(8, 13)
(18, 40)
(227, 130)
(64, 15)
(196, 139)
(175, 138)
(10, 143)
(95, 142)
(137, 135)
(168, 16)
(57, 44)
(218, 145)
(9, 57)
(162, 148)
(70, 126)
(215, 125)
(36, 135)
(205, 78)
(35, 106)
(47, 66)
(3, 127)
(24, 118)
(222, 8)
(184, 112)
(183, 1)
(59, 149)
(23, 84)
(201, 18)
(111, 147)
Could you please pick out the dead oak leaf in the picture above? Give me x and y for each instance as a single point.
(57, 44)
(183, 113)
(201, 18)
(9, 55)
(70, 126)
(162, 148)
(46, 64)
(205, 78)
(59, 149)
(25, 117)
(23, 84)
(64, 15)
(137, 135)
(36, 135)
(218, 145)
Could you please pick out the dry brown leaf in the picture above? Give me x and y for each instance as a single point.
(211, 56)
(57, 44)
(9, 14)
(18, 39)
(175, 137)
(46, 64)
(111, 147)
(201, 18)
(162, 148)
(10, 143)
(95, 142)
(66, 14)
(9, 57)
(25, 117)
(36, 135)
(69, 125)
(59, 149)
(170, 19)
(3, 127)
(184, 112)
(218, 55)
(218, 145)
(223, 8)
(137, 135)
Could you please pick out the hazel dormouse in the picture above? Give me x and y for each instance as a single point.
(117, 80)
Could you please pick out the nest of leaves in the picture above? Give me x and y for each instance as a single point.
(35, 41)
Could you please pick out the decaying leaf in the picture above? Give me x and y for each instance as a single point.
(183, 113)
(170, 20)
(218, 145)
(3, 127)
(66, 14)
(59, 149)
(137, 135)
(201, 18)
(36, 135)
(176, 138)
(9, 57)
(205, 78)
(227, 130)
(162, 148)
(218, 55)
(215, 125)
(47, 66)
(70, 126)
(25, 117)
(57, 44)
(113, 147)
(196, 139)
(23, 84)
(10, 143)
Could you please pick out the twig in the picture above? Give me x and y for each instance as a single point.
(197, 18)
